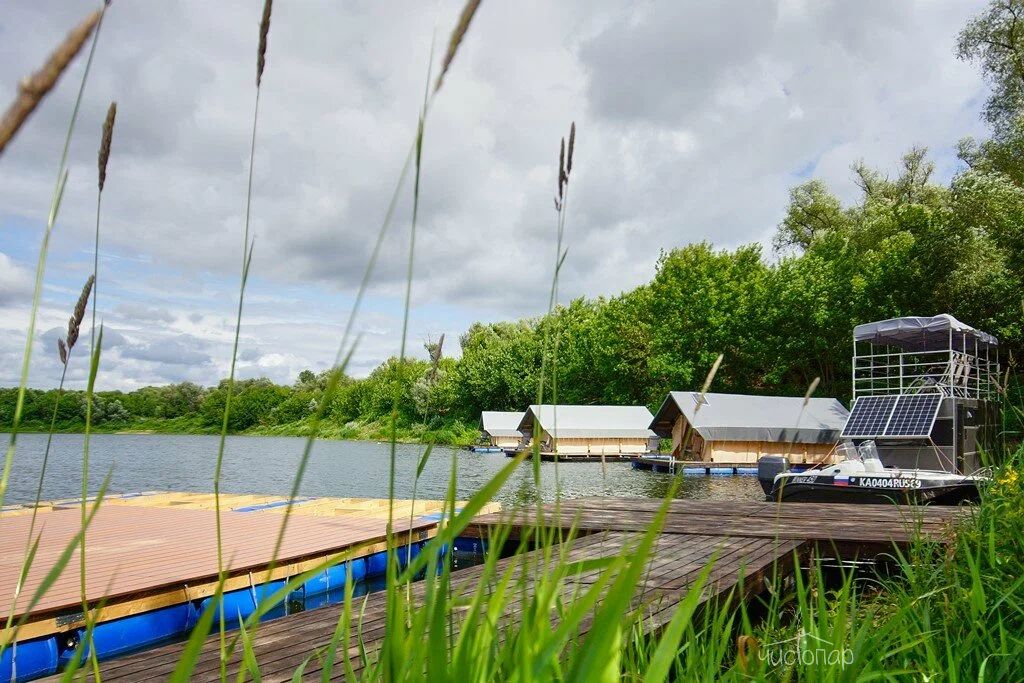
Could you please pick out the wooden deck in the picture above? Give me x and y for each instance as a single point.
(847, 529)
(746, 539)
(282, 645)
(149, 551)
(245, 502)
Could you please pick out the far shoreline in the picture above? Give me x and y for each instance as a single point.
(405, 439)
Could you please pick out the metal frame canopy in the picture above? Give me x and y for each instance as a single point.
(918, 354)
(924, 333)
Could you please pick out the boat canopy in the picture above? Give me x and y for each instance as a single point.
(924, 333)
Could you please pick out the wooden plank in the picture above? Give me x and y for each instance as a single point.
(873, 524)
(283, 644)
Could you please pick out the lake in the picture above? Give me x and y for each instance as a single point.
(267, 465)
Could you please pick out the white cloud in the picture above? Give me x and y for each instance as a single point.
(15, 282)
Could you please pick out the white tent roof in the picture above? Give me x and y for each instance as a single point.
(739, 417)
(923, 333)
(612, 422)
(500, 423)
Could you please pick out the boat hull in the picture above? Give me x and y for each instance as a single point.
(822, 489)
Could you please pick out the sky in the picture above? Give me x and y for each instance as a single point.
(693, 119)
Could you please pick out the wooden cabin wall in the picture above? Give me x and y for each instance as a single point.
(742, 451)
(505, 441)
(599, 446)
(694, 445)
(750, 451)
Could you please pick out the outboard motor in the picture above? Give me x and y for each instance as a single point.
(769, 466)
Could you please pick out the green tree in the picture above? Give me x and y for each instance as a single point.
(500, 366)
(995, 40)
(702, 306)
(812, 211)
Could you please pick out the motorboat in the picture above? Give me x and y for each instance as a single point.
(860, 477)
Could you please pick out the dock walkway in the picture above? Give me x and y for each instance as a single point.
(747, 540)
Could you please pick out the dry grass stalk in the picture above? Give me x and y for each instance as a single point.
(75, 323)
(707, 382)
(261, 55)
(810, 390)
(32, 90)
(108, 134)
(456, 39)
(435, 356)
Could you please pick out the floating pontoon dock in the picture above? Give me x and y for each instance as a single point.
(667, 463)
(747, 540)
(154, 555)
(548, 456)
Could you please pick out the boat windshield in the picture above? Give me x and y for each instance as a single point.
(868, 450)
(846, 451)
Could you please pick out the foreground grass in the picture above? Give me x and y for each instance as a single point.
(951, 612)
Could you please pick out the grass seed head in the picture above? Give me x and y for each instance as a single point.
(261, 55)
(75, 322)
(456, 38)
(562, 176)
(62, 351)
(572, 145)
(32, 90)
(811, 389)
(108, 134)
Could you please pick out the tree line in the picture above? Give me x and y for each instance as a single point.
(909, 245)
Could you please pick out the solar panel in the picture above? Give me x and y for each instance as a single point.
(914, 415)
(869, 416)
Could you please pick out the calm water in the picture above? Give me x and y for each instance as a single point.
(337, 468)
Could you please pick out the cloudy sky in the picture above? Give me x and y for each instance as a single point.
(694, 119)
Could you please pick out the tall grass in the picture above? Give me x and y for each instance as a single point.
(247, 251)
(31, 93)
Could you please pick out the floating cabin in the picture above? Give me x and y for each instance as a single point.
(581, 432)
(501, 429)
(737, 428)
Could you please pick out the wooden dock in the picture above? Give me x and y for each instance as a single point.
(547, 456)
(844, 530)
(153, 550)
(747, 540)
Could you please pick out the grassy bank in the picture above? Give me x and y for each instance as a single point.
(938, 613)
